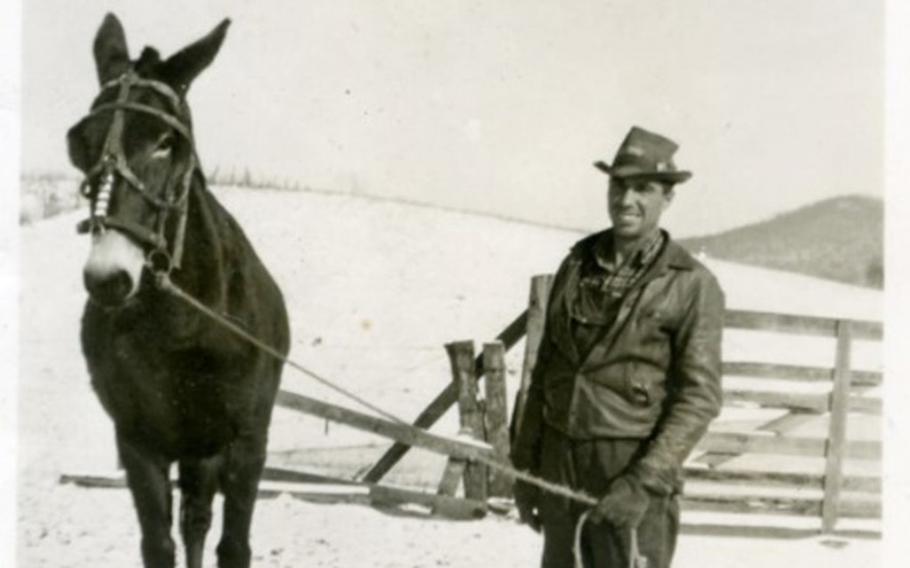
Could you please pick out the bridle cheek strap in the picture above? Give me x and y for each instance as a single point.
(113, 163)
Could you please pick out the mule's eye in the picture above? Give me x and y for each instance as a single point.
(163, 147)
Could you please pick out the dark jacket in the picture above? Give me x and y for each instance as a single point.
(654, 375)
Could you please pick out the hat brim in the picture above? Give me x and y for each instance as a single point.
(673, 177)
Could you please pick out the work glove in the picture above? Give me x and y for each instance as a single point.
(624, 505)
(527, 500)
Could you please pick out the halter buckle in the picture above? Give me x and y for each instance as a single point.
(159, 262)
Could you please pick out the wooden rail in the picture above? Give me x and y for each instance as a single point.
(735, 443)
(855, 484)
(800, 325)
(796, 373)
(814, 403)
(400, 432)
(320, 489)
(765, 505)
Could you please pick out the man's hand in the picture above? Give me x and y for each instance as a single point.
(624, 505)
(527, 498)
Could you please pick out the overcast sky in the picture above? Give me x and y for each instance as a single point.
(503, 106)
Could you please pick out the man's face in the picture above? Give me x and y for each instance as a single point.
(635, 205)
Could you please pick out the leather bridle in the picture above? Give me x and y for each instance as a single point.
(113, 164)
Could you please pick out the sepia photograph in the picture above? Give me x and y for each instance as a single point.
(594, 284)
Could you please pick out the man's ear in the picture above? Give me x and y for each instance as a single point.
(184, 66)
(112, 58)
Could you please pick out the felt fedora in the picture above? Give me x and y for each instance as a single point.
(644, 154)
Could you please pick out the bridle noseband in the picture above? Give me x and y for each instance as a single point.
(113, 163)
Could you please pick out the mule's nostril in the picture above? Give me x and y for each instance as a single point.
(108, 289)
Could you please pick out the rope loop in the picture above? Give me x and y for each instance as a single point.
(636, 560)
(576, 545)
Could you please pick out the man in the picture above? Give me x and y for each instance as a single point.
(628, 374)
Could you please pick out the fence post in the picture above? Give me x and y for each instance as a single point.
(837, 429)
(439, 405)
(461, 356)
(537, 316)
(495, 416)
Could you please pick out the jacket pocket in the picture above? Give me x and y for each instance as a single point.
(644, 385)
(662, 317)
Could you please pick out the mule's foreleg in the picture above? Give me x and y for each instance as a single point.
(147, 477)
(198, 484)
(239, 483)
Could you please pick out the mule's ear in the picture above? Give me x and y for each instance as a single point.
(185, 65)
(112, 58)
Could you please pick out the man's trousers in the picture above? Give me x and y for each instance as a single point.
(590, 466)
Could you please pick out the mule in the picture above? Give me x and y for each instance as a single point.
(178, 387)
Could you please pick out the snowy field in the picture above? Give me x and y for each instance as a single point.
(374, 290)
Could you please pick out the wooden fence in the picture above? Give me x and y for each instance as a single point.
(839, 402)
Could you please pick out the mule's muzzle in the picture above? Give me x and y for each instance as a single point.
(114, 268)
(110, 289)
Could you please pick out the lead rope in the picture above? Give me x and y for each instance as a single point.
(636, 560)
(163, 281)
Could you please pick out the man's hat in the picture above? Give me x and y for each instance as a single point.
(647, 155)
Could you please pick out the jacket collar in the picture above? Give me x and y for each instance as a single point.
(673, 256)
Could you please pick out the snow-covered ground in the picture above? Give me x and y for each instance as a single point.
(374, 289)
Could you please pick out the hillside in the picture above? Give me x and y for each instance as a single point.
(838, 239)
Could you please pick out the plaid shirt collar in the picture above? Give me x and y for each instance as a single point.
(642, 257)
(618, 279)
